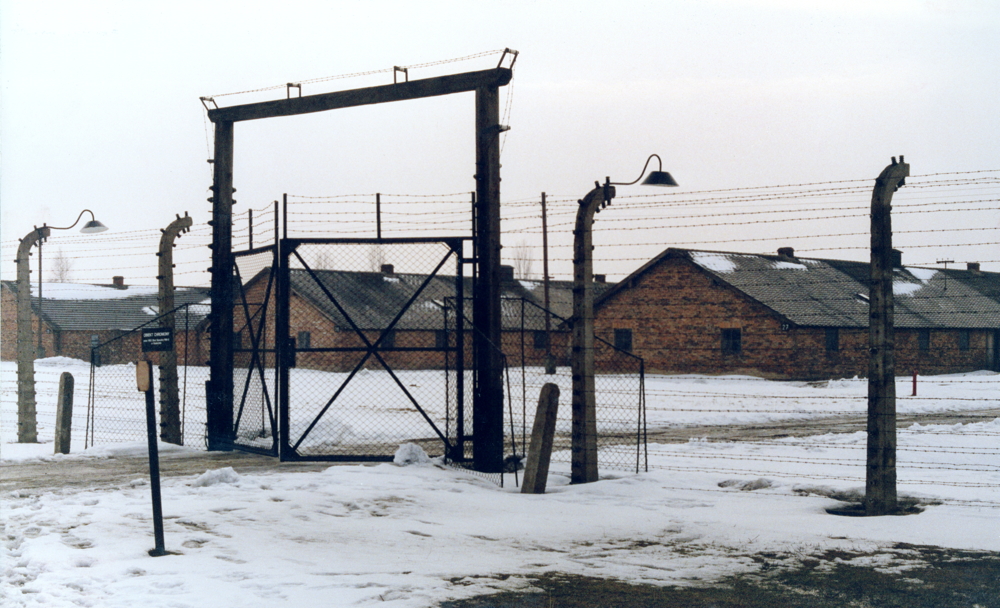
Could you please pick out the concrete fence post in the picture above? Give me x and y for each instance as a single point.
(64, 414)
(880, 473)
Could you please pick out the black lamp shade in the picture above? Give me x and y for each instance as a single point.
(93, 226)
(659, 178)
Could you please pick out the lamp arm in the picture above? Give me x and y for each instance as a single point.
(644, 167)
(91, 217)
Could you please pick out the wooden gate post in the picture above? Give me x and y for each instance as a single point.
(219, 390)
(487, 408)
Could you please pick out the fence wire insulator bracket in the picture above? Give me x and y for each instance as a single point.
(513, 59)
(208, 100)
(398, 68)
(293, 85)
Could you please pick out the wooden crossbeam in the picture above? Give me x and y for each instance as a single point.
(414, 89)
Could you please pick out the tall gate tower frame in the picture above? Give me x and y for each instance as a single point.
(487, 414)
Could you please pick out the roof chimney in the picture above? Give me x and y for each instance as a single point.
(506, 272)
(600, 278)
(387, 269)
(786, 252)
(973, 266)
(118, 282)
(897, 258)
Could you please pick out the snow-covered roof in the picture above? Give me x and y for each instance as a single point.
(76, 291)
(85, 307)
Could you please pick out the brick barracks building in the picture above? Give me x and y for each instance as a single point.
(779, 316)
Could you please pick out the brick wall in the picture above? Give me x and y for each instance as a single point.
(76, 344)
(677, 314)
(8, 329)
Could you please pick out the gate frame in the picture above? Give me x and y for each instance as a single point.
(286, 348)
(488, 396)
(257, 346)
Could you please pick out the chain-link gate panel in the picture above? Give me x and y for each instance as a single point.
(370, 359)
(255, 374)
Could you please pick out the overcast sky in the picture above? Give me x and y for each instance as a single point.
(100, 105)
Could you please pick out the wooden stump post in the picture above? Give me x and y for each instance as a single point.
(64, 414)
(536, 469)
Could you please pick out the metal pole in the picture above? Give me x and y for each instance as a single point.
(550, 364)
(144, 379)
(459, 358)
(880, 479)
(41, 322)
(378, 215)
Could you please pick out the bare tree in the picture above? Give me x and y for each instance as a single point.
(322, 260)
(376, 258)
(523, 260)
(62, 267)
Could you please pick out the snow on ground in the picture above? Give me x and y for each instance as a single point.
(418, 534)
(373, 408)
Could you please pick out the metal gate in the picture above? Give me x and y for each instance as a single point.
(255, 373)
(375, 354)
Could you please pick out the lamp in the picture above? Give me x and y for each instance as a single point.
(584, 435)
(26, 411)
(656, 178)
(91, 227)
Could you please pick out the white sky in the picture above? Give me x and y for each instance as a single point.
(100, 102)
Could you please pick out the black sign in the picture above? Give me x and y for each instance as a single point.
(157, 339)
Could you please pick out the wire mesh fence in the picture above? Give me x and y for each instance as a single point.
(115, 410)
(255, 375)
(536, 356)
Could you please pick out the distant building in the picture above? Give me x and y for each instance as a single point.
(781, 316)
(370, 301)
(71, 316)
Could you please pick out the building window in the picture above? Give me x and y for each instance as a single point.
(389, 339)
(623, 340)
(304, 340)
(541, 339)
(440, 338)
(832, 339)
(963, 339)
(732, 341)
(924, 339)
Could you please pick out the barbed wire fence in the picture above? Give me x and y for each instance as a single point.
(828, 217)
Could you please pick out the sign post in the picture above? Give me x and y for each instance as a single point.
(144, 382)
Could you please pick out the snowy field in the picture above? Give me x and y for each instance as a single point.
(419, 534)
(373, 409)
